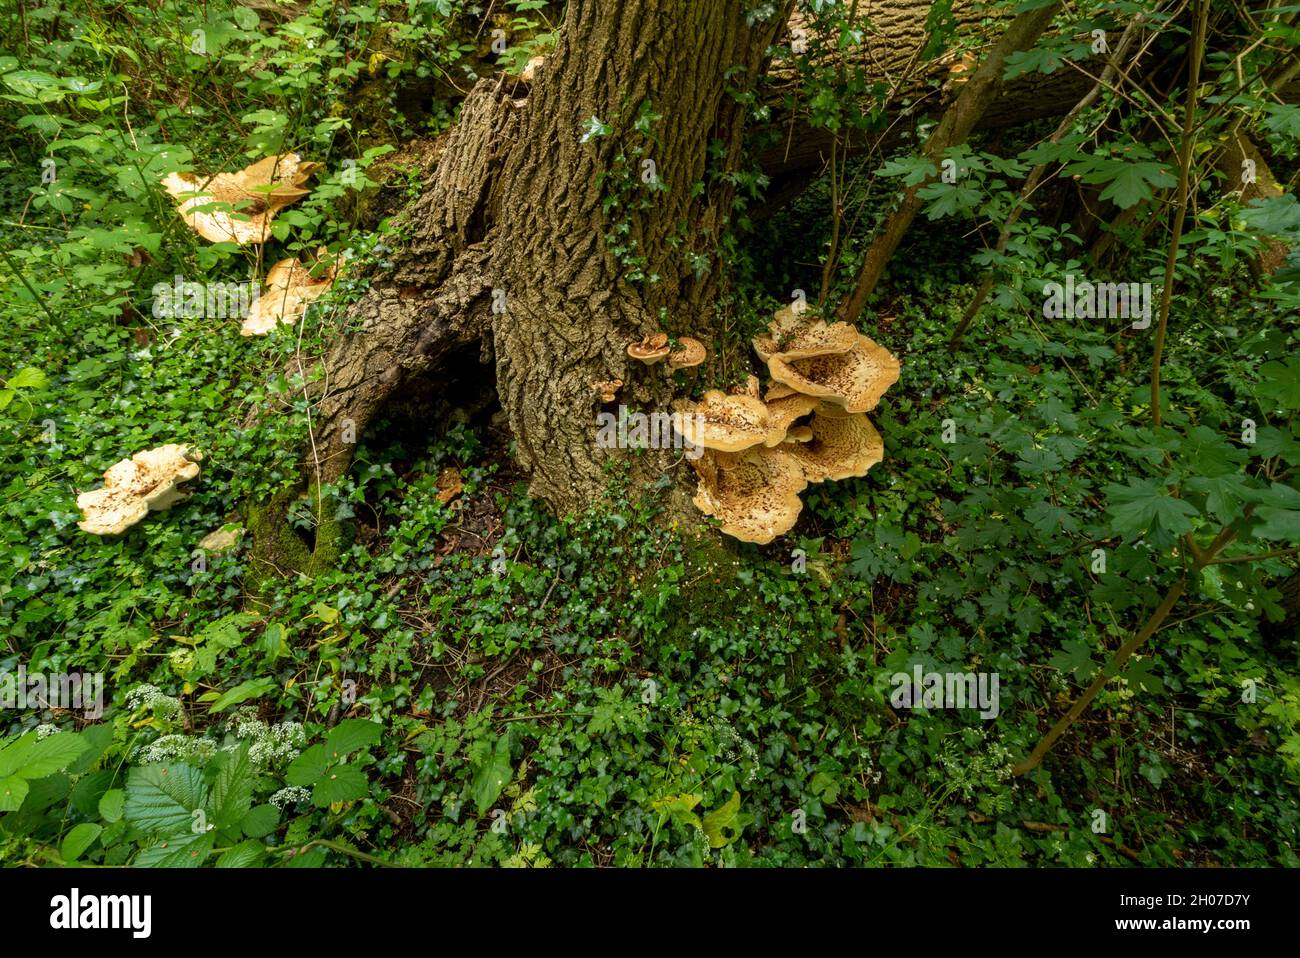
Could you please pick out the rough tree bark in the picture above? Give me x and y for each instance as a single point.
(513, 219)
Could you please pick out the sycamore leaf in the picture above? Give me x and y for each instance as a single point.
(1145, 506)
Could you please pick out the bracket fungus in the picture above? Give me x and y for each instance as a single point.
(783, 412)
(607, 389)
(810, 340)
(255, 195)
(840, 445)
(754, 493)
(650, 350)
(149, 481)
(722, 422)
(289, 290)
(855, 379)
(761, 453)
(689, 352)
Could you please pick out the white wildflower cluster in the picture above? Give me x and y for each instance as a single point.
(979, 769)
(177, 748)
(271, 745)
(153, 699)
(46, 730)
(290, 795)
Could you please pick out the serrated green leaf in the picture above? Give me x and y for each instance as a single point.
(232, 788)
(161, 799)
(342, 783)
(178, 851)
(111, 804)
(78, 840)
(350, 735)
(308, 767)
(12, 792)
(247, 854)
(1145, 507)
(260, 821)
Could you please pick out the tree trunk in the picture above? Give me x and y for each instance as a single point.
(555, 253)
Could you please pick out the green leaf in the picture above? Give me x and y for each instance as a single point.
(1283, 524)
(110, 805)
(1281, 382)
(246, 854)
(78, 840)
(492, 775)
(680, 808)
(1144, 506)
(178, 851)
(913, 169)
(308, 767)
(350, 735)
(1075, 658)
(1224, 495)
(232, 789)
(253, 688)
(342, 783)
(1140, 673)
(161, 799)
(33, 758)
(12, 792)
(723, 826)
(260, 821)
(29, 378)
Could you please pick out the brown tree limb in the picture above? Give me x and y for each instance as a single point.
(955, 127)
(1197, 48)
(1036, 174)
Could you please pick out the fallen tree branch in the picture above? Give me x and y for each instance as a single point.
(955, 127)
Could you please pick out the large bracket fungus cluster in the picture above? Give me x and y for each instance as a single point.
(759, 454)
(254, 196)
(149, 481)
